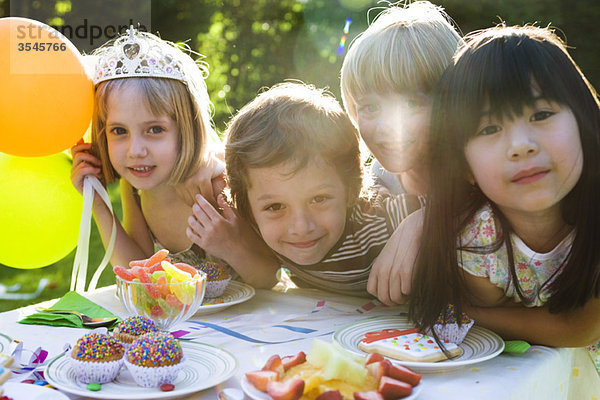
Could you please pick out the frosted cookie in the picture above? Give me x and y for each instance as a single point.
(407, 345)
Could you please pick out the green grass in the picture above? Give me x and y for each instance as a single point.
(59, 274)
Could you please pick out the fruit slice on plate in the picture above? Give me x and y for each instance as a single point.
(329, 372)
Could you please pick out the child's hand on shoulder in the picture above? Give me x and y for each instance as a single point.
(84, 164)
(208, 181)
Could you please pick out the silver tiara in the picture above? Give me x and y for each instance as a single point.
(138, 54)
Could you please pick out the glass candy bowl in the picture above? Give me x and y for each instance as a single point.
(167, 303)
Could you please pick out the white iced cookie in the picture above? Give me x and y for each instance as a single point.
(407, 345)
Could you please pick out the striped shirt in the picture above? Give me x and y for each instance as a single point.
(369, 225)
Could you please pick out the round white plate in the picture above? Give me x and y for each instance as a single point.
(206, 366)
(28, 391)
(235, 293)
(256, 394)
(5, 342)
(480, 344)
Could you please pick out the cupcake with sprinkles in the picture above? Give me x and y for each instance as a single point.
(154, 359)
(449, 327)
(130, 329)
(97, 358)
(217, 278)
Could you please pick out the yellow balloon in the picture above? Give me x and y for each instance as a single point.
(40, 210)
(46, 96)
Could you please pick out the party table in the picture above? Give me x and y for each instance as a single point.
(276, 322)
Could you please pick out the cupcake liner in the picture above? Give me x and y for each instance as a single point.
(216, 288)
(153, 376)
(95, 371)
(453, 332)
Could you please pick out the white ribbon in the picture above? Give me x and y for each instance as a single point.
(91, 185)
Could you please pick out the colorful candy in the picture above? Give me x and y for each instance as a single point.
(123, 273)
(175, 272)
(166, 288)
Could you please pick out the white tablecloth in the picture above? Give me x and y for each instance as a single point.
(249, 331)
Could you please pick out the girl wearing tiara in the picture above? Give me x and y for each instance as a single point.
(151, 128)
(512, 225)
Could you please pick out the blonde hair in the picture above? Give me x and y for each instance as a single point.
(291, 122)
(406, 48)
(186, 103)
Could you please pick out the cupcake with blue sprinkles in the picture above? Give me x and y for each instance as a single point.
(130, 329)
(217, 278)
(154, 359)
(97, 358)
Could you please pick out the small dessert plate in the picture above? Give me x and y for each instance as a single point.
(206, 366)
(480, 344)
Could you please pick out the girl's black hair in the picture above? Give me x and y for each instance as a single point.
(498, 67)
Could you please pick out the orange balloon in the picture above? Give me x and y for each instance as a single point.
(46, 97)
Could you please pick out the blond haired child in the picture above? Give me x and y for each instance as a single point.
(150, 129)
(294, 169)
(387, 80)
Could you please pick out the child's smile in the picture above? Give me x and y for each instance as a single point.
(300, 215)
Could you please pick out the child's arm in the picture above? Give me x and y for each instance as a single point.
(233, 240)
(537, 325)
(391, 274)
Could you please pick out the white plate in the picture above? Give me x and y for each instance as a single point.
(206, 366)
(28, 391)
(480, 344)
(256, 394)
(236, 292)
(5, 342)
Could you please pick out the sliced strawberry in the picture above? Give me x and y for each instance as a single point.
(373, 357)
(259, 379)
(330, 395)
(274, 364)
(291, 361)
(378, 369)
(391, 388)
(291, 389)
(404, 374)
(371, 395)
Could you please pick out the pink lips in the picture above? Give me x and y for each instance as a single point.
(141, 171)
(529, 175)
(304, 245)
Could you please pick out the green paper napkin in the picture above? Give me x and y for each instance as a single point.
(70, 301)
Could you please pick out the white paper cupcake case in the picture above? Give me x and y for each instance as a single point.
(95, 371)
(216, 288)
(154, 376)
(453, 332)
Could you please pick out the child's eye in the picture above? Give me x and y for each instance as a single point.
(368, 108)
(118, 131)
(319, 199)
(541, 115)
(274, 207)
(156, 129)
(417, 101)
(488, 130)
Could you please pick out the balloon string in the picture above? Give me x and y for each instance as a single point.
(79, 274)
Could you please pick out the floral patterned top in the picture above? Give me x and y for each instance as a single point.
(535, 271)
